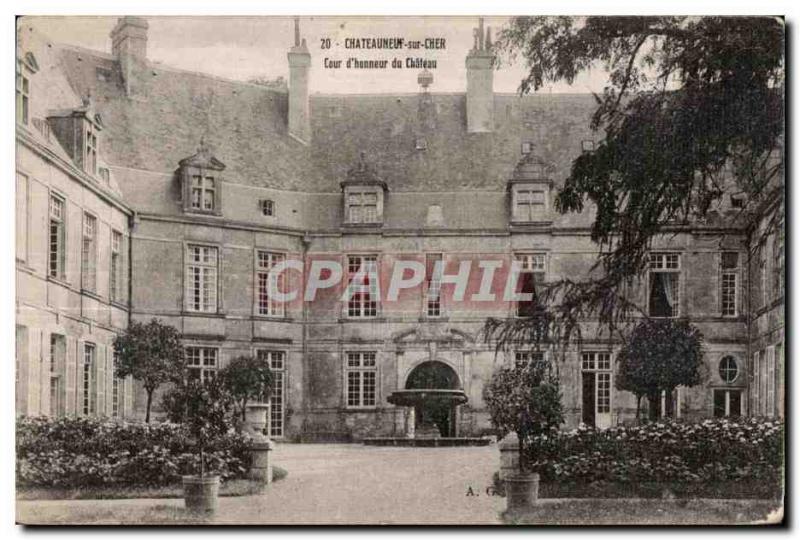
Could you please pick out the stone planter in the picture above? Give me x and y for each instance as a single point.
(200, 494)
(522, 490)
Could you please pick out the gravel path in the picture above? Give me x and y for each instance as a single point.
(327, 484)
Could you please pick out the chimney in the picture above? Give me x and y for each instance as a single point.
(480, 77)
(129, 47)
(299, 64)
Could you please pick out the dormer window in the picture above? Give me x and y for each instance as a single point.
(421, 144)
(587, 146)
(90, 143)
(530, 203)
(201, 183)
(363, 195)
(530, 190)
(526, 148)
(203, 193)
(267, 207)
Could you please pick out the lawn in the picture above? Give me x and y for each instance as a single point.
(231, 488)
(649, 512)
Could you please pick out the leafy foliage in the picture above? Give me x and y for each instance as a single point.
(686, 98)
(83, 451)
(525, 398)
(710, 451)
(151, 353)
(660, 355)
(246, 378)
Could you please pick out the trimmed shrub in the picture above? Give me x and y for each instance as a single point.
(713, 450)
(72, 452)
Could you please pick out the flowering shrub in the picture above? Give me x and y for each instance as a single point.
(712, 450)
(70, 452)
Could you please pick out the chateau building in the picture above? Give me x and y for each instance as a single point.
(146, 191)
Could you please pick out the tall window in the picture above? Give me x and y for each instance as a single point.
(201, 363)
(115, 278)
(664, 284)
(361, 371)
(530, 204)
(87, 381)
(23, 96)
(596, 388)
(55, 263)
(433, 289)
(762, 273)
(22, 217)
(89, 254)
(778, 262)
(362, 292)
(58, 351)
(362, 207)
(117, 387)
(201, 279)
(277, 365)
(727, 402)
(203, 193)
(763, 389)
(533, 272)
(91, 149)
(266, 304)
(729, 286)
(528, 357)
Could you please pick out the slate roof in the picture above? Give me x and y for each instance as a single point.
(244, 126)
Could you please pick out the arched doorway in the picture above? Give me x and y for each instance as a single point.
(441, 413)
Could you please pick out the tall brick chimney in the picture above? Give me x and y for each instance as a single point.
(299, 64)
(480, 83)
(129, 47)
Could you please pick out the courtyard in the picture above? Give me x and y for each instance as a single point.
(327, 484)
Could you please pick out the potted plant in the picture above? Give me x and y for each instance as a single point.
(524, 399)
(206, 410)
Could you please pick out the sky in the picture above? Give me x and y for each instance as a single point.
(241, 48)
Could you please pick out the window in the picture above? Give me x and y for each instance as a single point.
(778, 262)
(89, 254)
(664, 284)
(91, 149)
(526, 148)
(727, 403)
(201, 279)
(277, 365)
(533, 272)
(58, 352)
(596, 388)
(528, 357)
(762, 273)
(22, 217)
(728, 369)
(23, 96)
(729, 284)
(87, 386)
(55, 263)
(362, 207)
(117, 387)
(362, 280)
(115, 277)
(587, 146)
(529, 204)
(769, 383)
(266, 305)
(203, 193)
(361, 372)
(267, 207)
(201, 363)
(737, 201)
(421, 143)
(433, 282)
(763, 388)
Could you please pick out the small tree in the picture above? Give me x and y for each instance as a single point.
(246, 378)
(151, 353)
(207, 405)
(660, 355)
(524, 398)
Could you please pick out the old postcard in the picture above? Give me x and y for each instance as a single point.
(400, 270)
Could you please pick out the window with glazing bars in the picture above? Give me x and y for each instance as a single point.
(267, 305)
(115, 278)
(91, 149)
(361, 372)
(362, 207)
(362, 279)
(533, 272)
(433, 289)
(664, 285)
(201, 279)
(201, 363)
(729, 286)
(87, 382)
(89, 253)
(55, 263)
(277, 365)
(203, 192)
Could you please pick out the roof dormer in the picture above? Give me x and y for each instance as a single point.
(201, 182)
(78, 132)
(530, 187)
(363, 195)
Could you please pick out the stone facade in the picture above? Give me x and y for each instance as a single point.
(212, 181)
